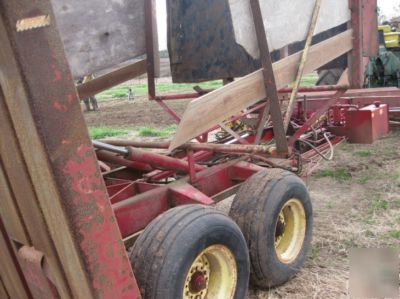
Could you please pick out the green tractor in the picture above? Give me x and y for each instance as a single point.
(384, 70)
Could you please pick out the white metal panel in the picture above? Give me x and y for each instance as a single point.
(286, 21)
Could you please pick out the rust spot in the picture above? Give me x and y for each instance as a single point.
(57, 75)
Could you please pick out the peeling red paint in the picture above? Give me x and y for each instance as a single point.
(70, 98)
(60, 107)
(105, 254)
(57, 75)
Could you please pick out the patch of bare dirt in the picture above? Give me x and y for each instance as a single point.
(138, 113)
(362, 211)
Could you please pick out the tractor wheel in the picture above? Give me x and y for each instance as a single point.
(329, 77)
(274, 211)
(191, 252)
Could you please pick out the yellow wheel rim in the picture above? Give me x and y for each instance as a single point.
(213, 274)
(290, 231)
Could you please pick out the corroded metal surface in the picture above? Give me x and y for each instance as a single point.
(202, 42)
(211, 39)
(59, 160)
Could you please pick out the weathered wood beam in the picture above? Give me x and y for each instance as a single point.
(213, 108)
(269, 83)
(111, 79)
(152, 53)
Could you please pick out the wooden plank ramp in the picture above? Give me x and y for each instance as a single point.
(215, 107)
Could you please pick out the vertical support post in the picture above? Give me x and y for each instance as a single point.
(49, 164)
(153, 57)
(370, 25)
(270, 84)
(192, 165)
(356, 68)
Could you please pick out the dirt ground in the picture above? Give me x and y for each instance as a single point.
(356, 201)
(357, 205)
(137, 113)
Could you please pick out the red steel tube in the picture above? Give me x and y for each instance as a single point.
(159, 161)
(112, 158)
(139, 144)
(228, 148)
(316, 88)
(171, 112)
(159, 175)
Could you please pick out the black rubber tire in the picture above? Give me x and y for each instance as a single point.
(329, 77)
(163, 254)
(255, 209)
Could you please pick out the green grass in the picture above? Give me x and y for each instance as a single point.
(364, 180)
(140, 89)
(369, 234)
(346, 146)
(330, 205)
(394, 234)
(340, 174)
(104, 132)
(121, 91)
(315, 251)
(152, 132)
(378, 204)
(363, 153)
(309, 79)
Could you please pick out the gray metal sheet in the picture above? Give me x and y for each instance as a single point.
(285, 21)
(215, 39)
(99, 34)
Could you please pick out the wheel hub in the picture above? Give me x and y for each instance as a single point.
(198, 282)
(212, 275)
(197, 279)
(290, 231)
(280, 228)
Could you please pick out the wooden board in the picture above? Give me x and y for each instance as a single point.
(344, 78)
(98, 34)
(215, 107)
(111, 79)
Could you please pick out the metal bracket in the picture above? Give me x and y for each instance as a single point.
(36, 272)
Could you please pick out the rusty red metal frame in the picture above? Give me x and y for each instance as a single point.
(135, 212)
(356, 67)
(143, 184)
(315, 103)
(36, 74)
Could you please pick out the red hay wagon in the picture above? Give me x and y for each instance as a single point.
(70, 206)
